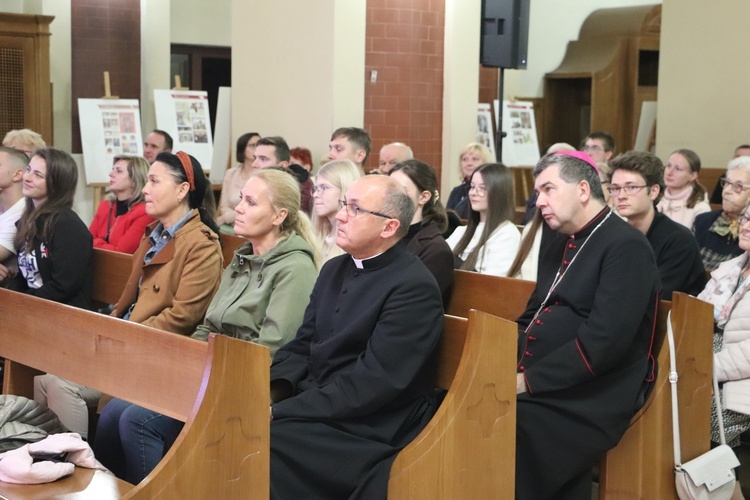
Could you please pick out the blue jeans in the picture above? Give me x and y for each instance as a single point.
(131, 441)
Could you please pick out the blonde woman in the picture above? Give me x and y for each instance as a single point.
(471, 157)
(331, 183)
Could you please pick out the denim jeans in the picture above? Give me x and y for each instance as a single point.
(131, 440)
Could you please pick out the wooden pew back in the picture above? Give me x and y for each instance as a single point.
(111, 272)
(230, 243)
(502, 297)
(641, 465)
(220, 389)
(467, 448)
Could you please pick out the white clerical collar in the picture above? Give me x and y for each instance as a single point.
(359, 262)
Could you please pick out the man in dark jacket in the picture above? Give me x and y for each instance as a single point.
(355, 386)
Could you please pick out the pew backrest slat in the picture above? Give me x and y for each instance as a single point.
(502, 297)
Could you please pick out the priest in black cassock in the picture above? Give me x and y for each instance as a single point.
(584, 360)
(355, 386)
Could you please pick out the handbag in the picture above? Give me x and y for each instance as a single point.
(710, 475)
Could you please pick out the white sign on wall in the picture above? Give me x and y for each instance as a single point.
(109, 127)
(184, 115)
(520, 144)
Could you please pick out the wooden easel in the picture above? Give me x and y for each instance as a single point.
(100, 189)
(178, 84)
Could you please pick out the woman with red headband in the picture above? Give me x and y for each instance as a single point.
(175, 273)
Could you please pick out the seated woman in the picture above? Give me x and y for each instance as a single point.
(727, 292)
(121, 219)
(331, 183)
(473, 155)
(488, 244)
(174, 276)
(425, 236)
(717, 232)
(54, 247)
(234, 179)
(262, 299)
(684, 197)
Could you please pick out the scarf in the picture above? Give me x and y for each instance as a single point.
(726, 226)
(724, 290)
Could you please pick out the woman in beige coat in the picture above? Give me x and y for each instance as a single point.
(175, 274)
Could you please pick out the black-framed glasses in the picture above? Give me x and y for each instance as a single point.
(629, 190)
(737, 186)
(352, 209)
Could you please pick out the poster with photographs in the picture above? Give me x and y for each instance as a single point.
(485, 130)
(109, 127)
(520, 144)
(184, 115)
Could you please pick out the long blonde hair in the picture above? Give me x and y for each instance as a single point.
(283, 192)
(341, 174)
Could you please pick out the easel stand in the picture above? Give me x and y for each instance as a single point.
(100, 189)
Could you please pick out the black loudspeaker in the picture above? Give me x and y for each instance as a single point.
(505, 33)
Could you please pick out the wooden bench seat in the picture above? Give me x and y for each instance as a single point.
(641, 465)
(220, 389)
(502, 297)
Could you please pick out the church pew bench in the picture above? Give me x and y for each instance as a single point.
(468, 448)
(641, 465)
(110, 274)
(229, 243)
(502, 297)
(220, 389)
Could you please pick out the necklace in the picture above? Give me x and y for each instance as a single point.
(561, 273)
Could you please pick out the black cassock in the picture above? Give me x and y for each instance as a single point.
(586, 355)
(362, 370)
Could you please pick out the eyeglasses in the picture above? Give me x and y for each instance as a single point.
(737, 186)
(615, 190)
(480, 190)
(322, 189)
(352, 210)
(743, 218)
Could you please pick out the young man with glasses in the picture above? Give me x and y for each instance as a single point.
(717, 232)
(599, 145)
(636, 186)
(355, 386)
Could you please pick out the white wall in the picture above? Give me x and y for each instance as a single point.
(704, 80)
(460, 85)
(201, 22)
(298, 69)
(155, 56)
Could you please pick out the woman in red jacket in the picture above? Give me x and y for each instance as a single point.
(121, 219)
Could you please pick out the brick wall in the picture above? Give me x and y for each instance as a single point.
(105, 36)
(405, 45)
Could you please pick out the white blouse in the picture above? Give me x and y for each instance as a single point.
(498, 252)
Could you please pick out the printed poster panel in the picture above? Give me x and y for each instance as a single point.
(520, 145)
(184, 115)
(109, 127)
(485, 130)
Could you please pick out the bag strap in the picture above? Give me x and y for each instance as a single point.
(675, 411)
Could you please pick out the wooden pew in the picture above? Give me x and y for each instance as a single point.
(641, 465)
(220, 389)
(223, 450)
(468, 448)
(111, 272)
(502, 297)
(230, 243)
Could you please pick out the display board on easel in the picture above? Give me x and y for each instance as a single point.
(109, 127)
(184, 115)
(520, 145)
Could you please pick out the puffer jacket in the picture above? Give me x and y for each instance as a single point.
(24, 421)
(732, 310)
